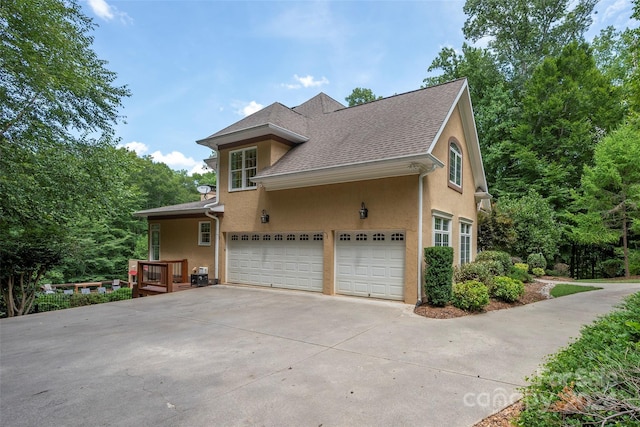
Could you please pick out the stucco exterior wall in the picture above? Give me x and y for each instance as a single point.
(179, 240)
(439, 196)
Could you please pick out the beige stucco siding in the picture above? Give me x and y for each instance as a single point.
(439, 196)
(179, 239)
(392, 205)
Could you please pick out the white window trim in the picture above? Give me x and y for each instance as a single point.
(470, 235)
(444, 217)
(453, 156)
(201, 233)
(244, 170)
(154, 228)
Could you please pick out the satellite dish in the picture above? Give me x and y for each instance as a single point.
(203, 189)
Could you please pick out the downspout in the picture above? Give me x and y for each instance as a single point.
(217, 242)
(217, 235)
(420, 202)
(423, 172)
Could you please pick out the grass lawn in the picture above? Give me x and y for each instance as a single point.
(633, 280)
(563, 289)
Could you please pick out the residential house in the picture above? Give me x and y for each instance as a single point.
(325, 198)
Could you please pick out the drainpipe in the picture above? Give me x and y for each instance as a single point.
(423, 172)
(217, 241)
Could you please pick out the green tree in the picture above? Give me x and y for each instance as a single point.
(567, 107)
(361, 95)
(534, 222)
(58, 106)
(610, 192)
(522, 33)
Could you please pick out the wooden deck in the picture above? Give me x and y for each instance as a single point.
(149, 289)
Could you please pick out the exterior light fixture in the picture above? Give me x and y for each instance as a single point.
(265, 217)
(364, 212)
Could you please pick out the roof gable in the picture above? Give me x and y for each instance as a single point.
(318, 105)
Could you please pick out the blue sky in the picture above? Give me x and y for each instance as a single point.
(197, 66)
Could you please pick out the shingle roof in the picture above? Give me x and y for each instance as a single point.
(318, 105)
(182, 208)
(275, 114)
(397, 126)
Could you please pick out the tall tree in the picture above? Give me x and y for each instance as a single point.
(610, 192)
(567, 107)
(522, 33)
(361, 95)
(58, 106)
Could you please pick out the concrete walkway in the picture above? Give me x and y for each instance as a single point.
(221, 355)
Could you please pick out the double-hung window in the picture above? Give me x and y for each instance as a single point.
(204, 233)
(441, 231)
(455, 166)
(465, 242)
(243, 165)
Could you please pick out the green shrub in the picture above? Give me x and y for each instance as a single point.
(50, 302)
(438, 274)
(470, 295)
(120, 294)
(98, 298)
(521, 266)
(612, 267)
(502, 257)
(473, 271)
(536, 261)
(562, 269)
(507, 289)
(78, 300)
(538, 272)
(495, 268)
(520, 274)
(600, 367)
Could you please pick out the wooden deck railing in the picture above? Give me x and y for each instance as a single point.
(158, 277)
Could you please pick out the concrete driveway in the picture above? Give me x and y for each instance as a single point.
(237, 356)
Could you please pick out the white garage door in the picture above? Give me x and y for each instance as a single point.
(282, 260)
(370, 264)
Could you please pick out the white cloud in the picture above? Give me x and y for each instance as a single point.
(250, 108)
(138, 147)
(175, 160)
(613, 10)
(306, 81)
(107, 12)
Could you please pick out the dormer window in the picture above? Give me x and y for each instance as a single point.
(455, 166)
(243, 165)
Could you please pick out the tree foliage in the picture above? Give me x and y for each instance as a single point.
(610, 192)
(522, 33)
(534, 222)
(361, 95)
(54, 93)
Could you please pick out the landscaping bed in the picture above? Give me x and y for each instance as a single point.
(533, 292)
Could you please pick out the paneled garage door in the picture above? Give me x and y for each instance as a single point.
(282, 260)
(370, 264)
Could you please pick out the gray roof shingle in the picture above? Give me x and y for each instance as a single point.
(397, 126)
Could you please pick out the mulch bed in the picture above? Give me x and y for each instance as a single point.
(502, 418)
(532, 293)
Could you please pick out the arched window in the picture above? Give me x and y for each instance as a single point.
(455, 165)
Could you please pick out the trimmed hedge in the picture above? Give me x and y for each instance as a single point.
(470, 295)
(507, 289)
(438, 274)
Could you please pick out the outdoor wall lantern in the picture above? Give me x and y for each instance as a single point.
(364, 212)
(265, 217)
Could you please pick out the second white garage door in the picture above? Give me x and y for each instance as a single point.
(279, 260)
(370, 264)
